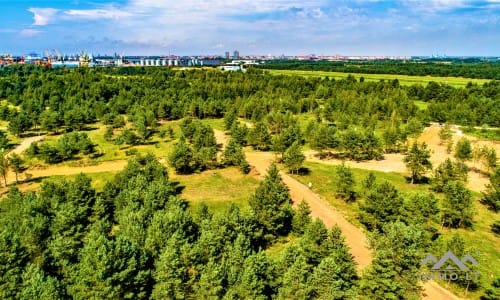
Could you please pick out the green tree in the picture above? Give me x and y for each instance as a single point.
(129, 137)
(49, 120)
(181, 157)
(259, 137)
(172, 273)
(333, 279)
(19, 123)
(293, 158)
(345, 183)
(417, 161)
(13, 259)
(233, 155)
(301, 217)
(119, 121)
(448, 171)
(445, 135)
(4, 167)
(271, 204)
(108, 268)
(489, 158)
(382, 205)
(457, 207)
(493, 292)
(393, 273)
(256, 280)
(16, 163)
(239, 132)
(491, 196)
(108, 134)
(229, 119)
(463, 150)
(295, 281)
(4, 142)
(369, 182)
(37, 285)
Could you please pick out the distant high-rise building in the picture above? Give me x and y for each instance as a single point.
(236, 54)
(227, 55)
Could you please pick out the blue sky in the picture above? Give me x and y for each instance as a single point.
(185, 27)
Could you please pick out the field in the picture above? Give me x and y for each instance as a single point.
(403, 79)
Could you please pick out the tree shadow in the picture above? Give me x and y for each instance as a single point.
(303, 171)
(422, 180)
(178, 188)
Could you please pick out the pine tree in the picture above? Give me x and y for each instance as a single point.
(448, 171)
(457, 207)
(393, 273)
(491, 196)
(333, 279)
(4, 167)
(382, 205)
(259, 137)
(271, 204)
(417, 161)
(295, 281)
(294, 158)
(37, 285)
(16, 163)
(233, 155)
(493, 292)
(463, 150)
(345, 183)
(181, 157)
(171, 272)
(301, 217)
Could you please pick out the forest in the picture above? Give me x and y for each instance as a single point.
(137, 237)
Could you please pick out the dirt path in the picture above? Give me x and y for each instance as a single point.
(115, 165)
(355, 237)
(321, 209)
(430, 136)
(26, 143)
(394, 162)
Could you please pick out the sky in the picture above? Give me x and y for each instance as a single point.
(254, 27)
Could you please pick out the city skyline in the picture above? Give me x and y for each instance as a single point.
(194, 27)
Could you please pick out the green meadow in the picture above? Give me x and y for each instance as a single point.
(403, 79)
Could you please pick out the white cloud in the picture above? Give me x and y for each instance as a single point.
(42, 16)
(28, 32)
(95, 14)
(436, 6)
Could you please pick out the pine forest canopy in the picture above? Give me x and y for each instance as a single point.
(136, 238)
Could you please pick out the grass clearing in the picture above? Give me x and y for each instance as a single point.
(160, 147)
(403, 79)
(218, 188)
(422, 105)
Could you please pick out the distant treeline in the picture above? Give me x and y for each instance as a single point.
(453, 68)
(50, 99)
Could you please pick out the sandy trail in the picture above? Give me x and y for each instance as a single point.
(430, 136)
(320, 209)
(26, 143)
(394, 162)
